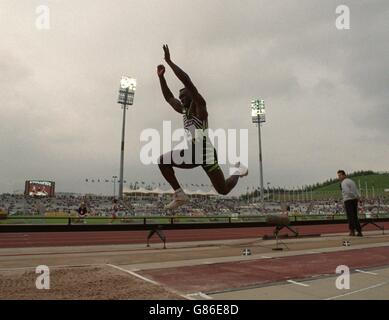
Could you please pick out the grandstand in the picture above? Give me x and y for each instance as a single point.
(151, 202)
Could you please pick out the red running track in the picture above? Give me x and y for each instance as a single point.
(43, 239)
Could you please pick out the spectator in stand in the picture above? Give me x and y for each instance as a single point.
(82, 212)
(288, 210)
(114, 210)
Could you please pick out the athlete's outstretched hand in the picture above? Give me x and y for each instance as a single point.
(167, 53)
(161, 70)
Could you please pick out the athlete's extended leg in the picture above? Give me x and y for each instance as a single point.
(211, 167)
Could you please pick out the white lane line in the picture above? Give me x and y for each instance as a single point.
(14, 269)
(149, 281)
(134, 274)
(298, 283)
(55, 266)
(367, 272)
(200, 294)
(361, 290)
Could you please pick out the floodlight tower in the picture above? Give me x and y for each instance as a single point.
(258, 117)
(126, 98)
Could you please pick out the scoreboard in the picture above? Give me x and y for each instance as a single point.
(39, 188)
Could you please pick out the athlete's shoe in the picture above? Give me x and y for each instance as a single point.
(241, 170)
(179, 198)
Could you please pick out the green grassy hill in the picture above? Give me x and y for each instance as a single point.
(377, 181)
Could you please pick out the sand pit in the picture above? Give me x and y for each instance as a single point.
(80, 283)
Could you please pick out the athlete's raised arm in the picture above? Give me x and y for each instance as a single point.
(185, 79)
(168, 95)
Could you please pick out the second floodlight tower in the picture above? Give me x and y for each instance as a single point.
(258, 117)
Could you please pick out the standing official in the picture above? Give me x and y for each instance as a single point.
(351, 197)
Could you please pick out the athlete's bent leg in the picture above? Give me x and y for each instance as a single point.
(166, 163)
(168, 173)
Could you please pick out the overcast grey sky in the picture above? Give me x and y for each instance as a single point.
(326, 90)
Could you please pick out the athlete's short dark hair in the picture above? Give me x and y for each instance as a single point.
(342, 172)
